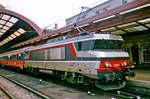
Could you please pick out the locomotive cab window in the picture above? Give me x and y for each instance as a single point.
(99, 44)
(107, 44)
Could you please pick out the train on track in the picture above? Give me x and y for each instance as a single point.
(82, 58)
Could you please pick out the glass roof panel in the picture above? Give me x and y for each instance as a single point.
(10, 38)
(14, 20)
(9, 24)
(1, 26)
(7, 39)
(17, 33)
(118, 32)
(2, 22)
(4, 41)
(109, 29)
(131, 29)
(22, 31)
(140, 28)
(1, 33)
(5, 17)
(13, 36)
(145, 20)
(128, 24)
(3, 30)
(5, 27)
(148, 25)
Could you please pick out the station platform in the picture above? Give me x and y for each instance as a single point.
(141, 75)
(140, 83)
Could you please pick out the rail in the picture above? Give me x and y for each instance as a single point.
(40, 94)
(6, 92)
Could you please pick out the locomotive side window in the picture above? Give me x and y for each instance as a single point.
(57, 53)
(36, 55)
(79, 46)
(88, 45)
(85, 45)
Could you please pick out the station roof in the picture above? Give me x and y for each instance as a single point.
(126, 19)
(15, 28)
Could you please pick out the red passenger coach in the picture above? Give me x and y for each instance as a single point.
(13, 59)
(13, 63)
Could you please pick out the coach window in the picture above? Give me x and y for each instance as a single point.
(5, 57)
(8, 57)
(19, 56)
(25, 55)
(13, 57)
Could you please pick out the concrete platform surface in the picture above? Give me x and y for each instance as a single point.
(143, 75)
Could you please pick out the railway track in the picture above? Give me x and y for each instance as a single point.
(54, 89)
(120, 94)
(16, 90)
(141, 87)
(127, 95)
(4, 94)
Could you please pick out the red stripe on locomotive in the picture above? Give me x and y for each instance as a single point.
(72, 50)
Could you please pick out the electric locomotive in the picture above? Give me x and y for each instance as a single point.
(81, 58)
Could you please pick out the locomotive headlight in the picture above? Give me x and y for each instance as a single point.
(125, 63)
(107, 64)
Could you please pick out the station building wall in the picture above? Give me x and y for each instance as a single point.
(138, 47)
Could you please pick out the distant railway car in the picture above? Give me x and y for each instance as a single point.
(82, 58)
(13, 59)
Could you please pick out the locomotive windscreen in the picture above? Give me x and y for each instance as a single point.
(107, 44)
(99, 45)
